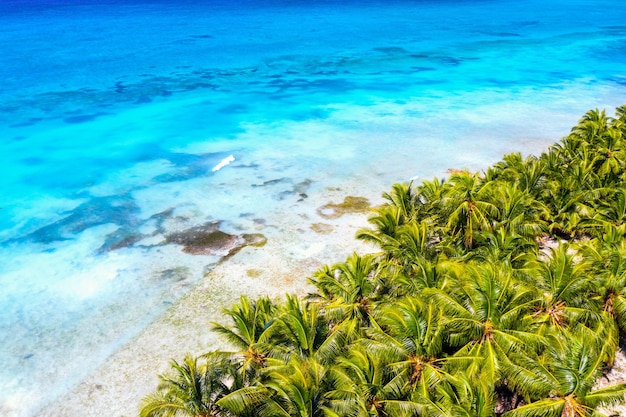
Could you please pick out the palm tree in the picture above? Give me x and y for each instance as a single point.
(458, 314)
(591, 127)
(428, 199)
(468, 208)
(421, 273)
(460, 396)
(411, 262)
(294, 389)
(402, 196)
(527, 175)
(363, 385)
(348, 288)
(571, 175)
(567, 377)
(487, 319)
(611, 206)
(610, 155)
(410, 335)
(519, 211)
(395, 224)
(565, 287)
(386, 221)
(302, 330)
(516, 251)
(567, 198)
(607, 260)
(194, 388)
(620, 112)
(414, 241)
(301, 386)
(251, 331)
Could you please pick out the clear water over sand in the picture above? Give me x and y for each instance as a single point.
(114, 114)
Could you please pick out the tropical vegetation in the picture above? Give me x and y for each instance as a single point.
(501, 293)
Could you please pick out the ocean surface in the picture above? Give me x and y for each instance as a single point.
(125, 122)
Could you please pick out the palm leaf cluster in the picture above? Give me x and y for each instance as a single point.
(463, 311)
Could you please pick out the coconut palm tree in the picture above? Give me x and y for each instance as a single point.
(468, 208)
(415, 241)
(607, 260)
(403, 196)
(567, 378)
(302, 330)
(591, 127)
(411, 262)
(428, 200)
(348, 288)
(620, 113)
(460, 396)
(395, 222)
(294, 389)
(527, 174)
(514, 250)
(363, 386)
(386, 221)
(421, 273)
(194, 388)
(610, 157)
(519, 212)
(572, 178)
(487, 318)
(611, 207)
(301, 387)
(458, 314)
(410, 335)
(564, 288)
(251, 331)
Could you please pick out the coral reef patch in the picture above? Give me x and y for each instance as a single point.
(208, 239)
(350, 204)
(322, 228)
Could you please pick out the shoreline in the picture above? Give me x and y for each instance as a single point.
(278, 268)
(309, 236)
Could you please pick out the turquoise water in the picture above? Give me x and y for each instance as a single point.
(115, 114)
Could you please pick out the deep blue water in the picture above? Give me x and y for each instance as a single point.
(114, 113)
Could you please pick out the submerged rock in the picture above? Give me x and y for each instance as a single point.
(121, 238)
(322, 228)
(254, 273)
(254, 239)
(208, 239)
(351, 204)
(177, 274)
(270, 182)
(97, 211)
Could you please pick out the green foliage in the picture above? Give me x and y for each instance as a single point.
(494, 294)
(193, 388)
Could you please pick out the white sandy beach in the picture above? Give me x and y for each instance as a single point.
(281, 266)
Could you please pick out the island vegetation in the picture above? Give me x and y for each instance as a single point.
(499, 293)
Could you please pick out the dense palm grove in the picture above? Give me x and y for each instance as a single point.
(499, 293)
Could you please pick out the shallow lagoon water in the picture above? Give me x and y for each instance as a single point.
(113, 115)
